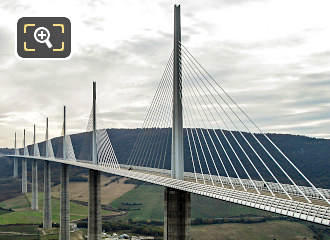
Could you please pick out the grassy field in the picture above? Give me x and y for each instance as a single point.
(29, 232)
(142, 203)
(19, 203)
(20, 237)
(204, 207)
(21, 228)
(111, 189)
(260, 231)
(151, 199)
(24, 215)
(25, 232)
(3, 211)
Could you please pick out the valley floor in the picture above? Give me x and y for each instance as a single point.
(129, 207)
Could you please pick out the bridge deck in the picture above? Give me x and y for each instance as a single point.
(189, 176)
(295, 208)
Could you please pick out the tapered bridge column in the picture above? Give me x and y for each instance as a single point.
(34, 203)
(177, 204)
(177, 216)
(47, 216)
(94, 186)
(24, 169)
(15, 174)
(65, 199)
(24, 176)
(94, 206)
(65, 204)
(15, 170)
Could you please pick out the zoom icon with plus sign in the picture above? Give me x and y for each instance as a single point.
(43, 37)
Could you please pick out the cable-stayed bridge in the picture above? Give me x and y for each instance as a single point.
(195, 139)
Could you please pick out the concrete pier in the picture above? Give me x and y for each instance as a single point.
(177, 218)
(34, 203)
(15, 173)
(65, 204)
(15, 168)
(47, 216)
(24, 168)
(94, 205)
(24, 176)
(94, 187)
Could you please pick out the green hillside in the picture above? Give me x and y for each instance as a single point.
(309, 154)
(149, 203)
(275, 230)
(22, 214)
(146, 202)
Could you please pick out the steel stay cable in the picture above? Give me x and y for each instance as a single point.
(163, 108)
(105, 151)
(147, 120)
(248, 117)
(165, 153)
(216, 152)
(205, 156)
(191, 155)
(164, 140)
(197, 154)
(238, 145)
(100, 137)
(152, 109)
(245, 140)
(167, 123)
(254, 138)
(164, 145)
(230, 161)
(133, 153)
(161, 97)
(210, 138)
(280, 167)
(269, 154)
(108, 150)
(222, 132)
(99, 155)
(204, 135)
(114, 157)
(169, 120)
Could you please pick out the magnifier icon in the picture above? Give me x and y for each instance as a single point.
(41, 35)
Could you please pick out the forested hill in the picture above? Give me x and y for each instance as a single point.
(310, 155)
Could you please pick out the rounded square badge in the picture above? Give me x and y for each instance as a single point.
(43, 37)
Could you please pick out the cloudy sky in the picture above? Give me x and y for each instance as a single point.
(272, 56)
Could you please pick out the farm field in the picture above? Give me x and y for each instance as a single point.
(146, 203)
(258, 231)
(112, 188)
(24, 215)
(33, 232)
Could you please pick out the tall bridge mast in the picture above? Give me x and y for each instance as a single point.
(177, 203)
(177, 160)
